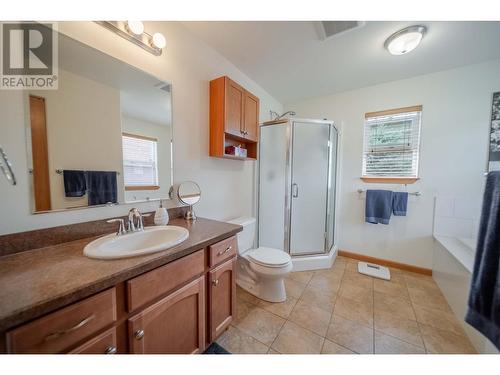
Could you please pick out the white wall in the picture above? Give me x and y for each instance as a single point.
(163, 135)
(455, 127)
(189, 64)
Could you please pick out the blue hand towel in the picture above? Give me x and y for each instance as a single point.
(102, 187)
(484, 298)
(399, 203)
(75, 184)
(378, 206)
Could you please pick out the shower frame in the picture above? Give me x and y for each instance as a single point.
(289, 123)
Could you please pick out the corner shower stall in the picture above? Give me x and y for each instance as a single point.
(298, 165)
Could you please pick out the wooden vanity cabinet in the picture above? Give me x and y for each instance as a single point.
(221, 297)
(173, 325)
(177, 308)
(234, 118)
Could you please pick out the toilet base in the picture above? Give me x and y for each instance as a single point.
(259, 282)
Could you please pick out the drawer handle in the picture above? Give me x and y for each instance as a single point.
(58, 334)
(139, 334)
(222, 252)
(111, 350)
(215, 282)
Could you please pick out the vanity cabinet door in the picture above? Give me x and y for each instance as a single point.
(222, 297)
(105, 343)
(235, 103)
(173, 325)
(251, 119)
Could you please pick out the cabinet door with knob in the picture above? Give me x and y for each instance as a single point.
(251, 117)
(173, 325)
(105, 343)
(235, 102)
(222, 297)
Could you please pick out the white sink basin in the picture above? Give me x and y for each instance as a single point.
(150, 240)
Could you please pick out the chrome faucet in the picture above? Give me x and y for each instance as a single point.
(135, 222)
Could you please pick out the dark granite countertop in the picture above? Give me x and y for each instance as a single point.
(36, 282)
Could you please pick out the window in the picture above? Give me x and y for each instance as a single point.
(391, 145)
(140, 162)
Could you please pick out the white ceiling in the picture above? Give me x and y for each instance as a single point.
(290, 61)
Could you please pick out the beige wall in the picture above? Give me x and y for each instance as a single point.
(83, 132)
(163, 135)
(189, 64)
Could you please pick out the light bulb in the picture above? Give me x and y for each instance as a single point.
(159, 40)
(136, 27)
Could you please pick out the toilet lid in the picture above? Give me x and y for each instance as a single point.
(270, 257)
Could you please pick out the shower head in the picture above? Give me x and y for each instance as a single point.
(291, 113)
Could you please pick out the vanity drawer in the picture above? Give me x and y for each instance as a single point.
(56, 332)
(153, 284)
(223, 250)
(105, 343)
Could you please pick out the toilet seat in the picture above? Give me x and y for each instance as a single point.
(269, 257)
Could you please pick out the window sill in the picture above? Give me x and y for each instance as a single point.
(390, 180)
(142, 188)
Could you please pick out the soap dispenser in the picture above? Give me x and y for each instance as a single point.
(161, 215)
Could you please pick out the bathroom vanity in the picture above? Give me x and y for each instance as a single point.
(56, 300)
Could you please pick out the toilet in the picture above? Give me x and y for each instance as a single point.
(261, 271)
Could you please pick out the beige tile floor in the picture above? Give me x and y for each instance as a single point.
(339, 311)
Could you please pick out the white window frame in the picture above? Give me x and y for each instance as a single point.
(372, 119)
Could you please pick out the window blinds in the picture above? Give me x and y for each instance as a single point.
(140, 166)
(391, 143)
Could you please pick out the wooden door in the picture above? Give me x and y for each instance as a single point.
(105, 343)
(235, 101)
(251, 118)
(173, 325)
(222, 297)
(40, 154)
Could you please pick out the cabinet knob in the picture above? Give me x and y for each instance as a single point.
(215, 282)
(139, 334)
(111, 350)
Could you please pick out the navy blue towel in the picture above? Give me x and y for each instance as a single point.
(75, 184)
(484, 297)
(101, 187)
(399, 203)
(378, 207)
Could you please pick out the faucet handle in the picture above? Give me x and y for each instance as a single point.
(121, 228)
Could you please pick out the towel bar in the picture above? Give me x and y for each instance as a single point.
(60, 171)
(416, 193)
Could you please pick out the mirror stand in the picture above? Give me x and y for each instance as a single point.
(190, 215)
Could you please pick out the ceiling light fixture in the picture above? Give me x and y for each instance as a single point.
(134, 32)
(405, 40)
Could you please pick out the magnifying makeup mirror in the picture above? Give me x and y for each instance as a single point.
(189, 193)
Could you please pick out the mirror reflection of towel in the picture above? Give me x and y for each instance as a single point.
(102, 187)
(75, 184)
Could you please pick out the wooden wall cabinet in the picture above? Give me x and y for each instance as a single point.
(178, 308)
(234, 118)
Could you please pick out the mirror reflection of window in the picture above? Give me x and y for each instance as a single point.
(140, 162)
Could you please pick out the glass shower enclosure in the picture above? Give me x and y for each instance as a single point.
(297, 186)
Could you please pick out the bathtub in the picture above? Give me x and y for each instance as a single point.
(453, 262)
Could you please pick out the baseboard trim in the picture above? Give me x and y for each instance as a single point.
(384, 262)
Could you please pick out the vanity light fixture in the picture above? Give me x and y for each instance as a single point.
(405, 40)
(134, 32)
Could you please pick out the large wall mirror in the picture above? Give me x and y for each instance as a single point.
(103, 137)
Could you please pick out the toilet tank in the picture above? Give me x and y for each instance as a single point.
(246, 237)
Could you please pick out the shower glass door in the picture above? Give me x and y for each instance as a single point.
(310, 177)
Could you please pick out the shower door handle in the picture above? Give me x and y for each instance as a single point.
(295, 190)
